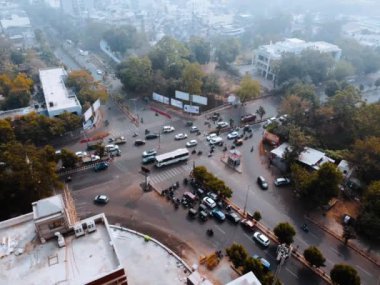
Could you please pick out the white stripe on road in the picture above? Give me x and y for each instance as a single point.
(219, 228)
(313, 235)
(362, 269)
(291, 272)
(335, 250)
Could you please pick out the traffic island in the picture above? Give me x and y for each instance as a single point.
(233, 160)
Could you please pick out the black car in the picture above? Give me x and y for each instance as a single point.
(151, 136)
(233, 217)
(262, 183)
(139, 142)
(203, 216)
(248, 118)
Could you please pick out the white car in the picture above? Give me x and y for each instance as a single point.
(216, 140)
(233, 135)
(211, 136)
(194, 129)
(209, 202)
(95, 157)
(99, 72)
(269, 121)
(81, 154)
(261, 239)
(191, 143)
(180, 136)
(151, 152)
(223, 124)
(168, 129)
(111, 147)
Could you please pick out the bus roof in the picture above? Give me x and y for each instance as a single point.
(172, 153)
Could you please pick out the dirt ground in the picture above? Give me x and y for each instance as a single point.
(343, 207)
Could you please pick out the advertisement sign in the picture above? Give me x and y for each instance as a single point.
(176, 103)
(88, 114)
(182, 95)
(191, 109)
(160, 98)
(96, 105)
(199, 99)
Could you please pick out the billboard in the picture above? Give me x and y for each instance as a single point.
(176, 103)
(96, 105)
(199, 99)
(191, 109)
(182, 95)
(88, 114)
(160, 98)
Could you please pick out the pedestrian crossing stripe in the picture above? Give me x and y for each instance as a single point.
(170, 173)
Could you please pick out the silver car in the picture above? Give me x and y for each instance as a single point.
(261, 239)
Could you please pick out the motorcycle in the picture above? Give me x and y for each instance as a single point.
(194, 151)
(210, 232)
(200, 152)
(134, 135)
(305, 228)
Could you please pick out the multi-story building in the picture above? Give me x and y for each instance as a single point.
(58, 98)
(77, 8)
(266, 56)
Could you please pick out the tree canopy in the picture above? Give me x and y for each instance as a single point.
(343, 274)
(192, 78)
(368, 221)
(226, 51)
(123, 38)
(210, 182)
(284, 232)
(313, 255)
(136, 73)
(200, 49)
(249, 89)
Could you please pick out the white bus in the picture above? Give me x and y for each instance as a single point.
(172, 157)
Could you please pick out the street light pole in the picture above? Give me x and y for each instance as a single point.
(246, 199)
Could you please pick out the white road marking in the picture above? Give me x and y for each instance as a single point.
(219, 228)
(248, 237)
(313, 235)
(362, 269)
(291, 272)
(335, 250)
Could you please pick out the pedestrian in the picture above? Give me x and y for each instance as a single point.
(252, 149)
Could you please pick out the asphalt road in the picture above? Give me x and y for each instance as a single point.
(276, 205)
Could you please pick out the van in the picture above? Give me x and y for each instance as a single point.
(216, 141)
(248, 118)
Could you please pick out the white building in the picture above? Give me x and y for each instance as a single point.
(78, 8)
(310, 157)
(57, 97)
(266, 55)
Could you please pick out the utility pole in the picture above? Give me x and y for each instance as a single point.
(145, 172)
(246, 199)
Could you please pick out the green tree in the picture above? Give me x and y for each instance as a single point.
(377, 83)
(17, 57)
(249, 89)
(254, 265)
(70, 121)
(237, 254)
(313, 255)
(284, 232)
(365, 155)
(200, 49)
(368, 222)
(342, 70)
(257, 216)
(211, 84)
(69, 159)
(332, 86)
(29, 175)
(192, 77)
(227, 51)
(343, 274)
(170, 56)
(260, 112)
(136, 74)
(6, 132)
(121, 39)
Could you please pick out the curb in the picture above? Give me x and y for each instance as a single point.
(349, 244)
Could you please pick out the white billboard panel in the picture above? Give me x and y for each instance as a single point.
(199, 99)
(88, 114)
(96, 105)
(182, 95)
(176, 103)
(191, 109)
(160, 98)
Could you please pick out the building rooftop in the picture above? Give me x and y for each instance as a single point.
(27, 261)
(57, 97)
(139, 256)
(310, 157)
(246, 279)
(47, 207)
(15, 21)
(294, 45)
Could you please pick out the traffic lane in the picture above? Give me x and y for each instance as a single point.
(273, 208)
